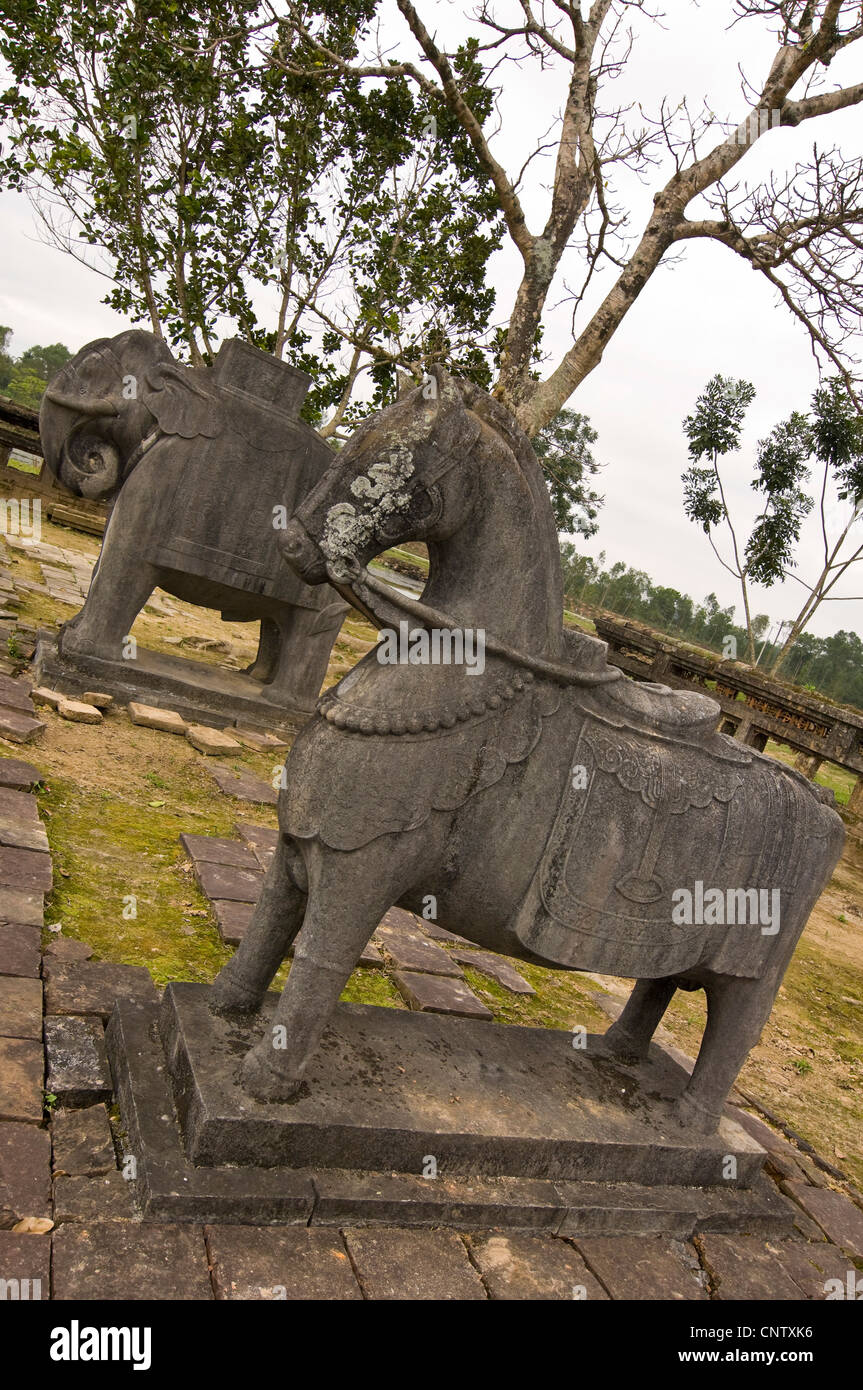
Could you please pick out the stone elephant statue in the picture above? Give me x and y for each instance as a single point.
(201, 466)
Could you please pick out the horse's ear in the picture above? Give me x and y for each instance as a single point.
(456, 429)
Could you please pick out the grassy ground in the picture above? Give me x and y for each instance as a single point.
(116, 798)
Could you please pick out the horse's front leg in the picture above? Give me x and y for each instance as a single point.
(349, 892)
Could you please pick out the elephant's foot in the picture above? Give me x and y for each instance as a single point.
(230, 998)
(693, 1115)
(264, 1079)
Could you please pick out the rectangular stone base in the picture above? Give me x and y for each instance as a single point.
(170, 1187)
(201, 693)
(386, 1088)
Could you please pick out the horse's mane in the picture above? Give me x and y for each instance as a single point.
(498, 418)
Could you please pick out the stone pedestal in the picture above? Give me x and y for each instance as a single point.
(201, 693)
(420, 1119)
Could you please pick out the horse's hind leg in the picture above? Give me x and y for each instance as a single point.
(630, 1034)
(242, 983)
(348, 894)
(737, 1010)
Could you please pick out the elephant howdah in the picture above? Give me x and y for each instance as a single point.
(555, 809)
(201, 466)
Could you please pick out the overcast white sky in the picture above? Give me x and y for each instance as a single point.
(705, 314)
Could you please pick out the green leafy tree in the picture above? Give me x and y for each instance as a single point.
(563, 448)
(193, 163)
(836, 434)
(713, 431)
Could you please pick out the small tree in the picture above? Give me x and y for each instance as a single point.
(837, 444)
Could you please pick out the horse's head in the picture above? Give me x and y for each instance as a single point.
(394, 481)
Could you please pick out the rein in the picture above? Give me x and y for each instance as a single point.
(355, 583)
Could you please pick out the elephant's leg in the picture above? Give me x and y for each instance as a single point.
(306, 637)
(348, 895)
(266, 662)
(242, 983)
(121, 584)
(630, 1034)
(737, 1011)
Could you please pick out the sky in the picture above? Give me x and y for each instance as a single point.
(703, 314)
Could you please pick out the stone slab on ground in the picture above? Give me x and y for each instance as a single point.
(78, 1072)
(19, 950)
(413, 1265)
(125, 1260)
(214, 849)
(108, 1197)
(233, 919)
(743, 1267)
(839, 1218)
(99, 698)
(812, 1264)
(496, 969)
(261, 839)
(25, 869)
(78, 712)
(387, 1087)
(18, 807)
(20, 1007)
(440, 994)
(25, 1171)
(211, 741)
(21, 1075)
(255, 738)
(66, 948)
(371, 957)
(151, 717)
(15, 694)
(516, 1265)
(26, 835)
(92, 987)
(411, 951)
(26, 1259)
(225, 882)
(267, 1262)
(16, 773)
(438, 933)
(82, 1142)
(243, 785)
(22, 906)
(642, 1267)
(19, 727)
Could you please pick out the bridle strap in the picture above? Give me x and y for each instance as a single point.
(348, 577)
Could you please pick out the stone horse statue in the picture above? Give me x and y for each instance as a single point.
(557, 810)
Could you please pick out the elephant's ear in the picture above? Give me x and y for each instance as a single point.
(180, 404)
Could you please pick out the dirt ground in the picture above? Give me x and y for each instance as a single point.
(116, 797)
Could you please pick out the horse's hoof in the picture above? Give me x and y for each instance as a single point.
(618, 1047)
(229, 999)
(694, 1116)
(264, 1081)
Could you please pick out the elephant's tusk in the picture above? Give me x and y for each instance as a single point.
(82, 405)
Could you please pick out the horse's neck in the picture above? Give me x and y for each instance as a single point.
(498, 571)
